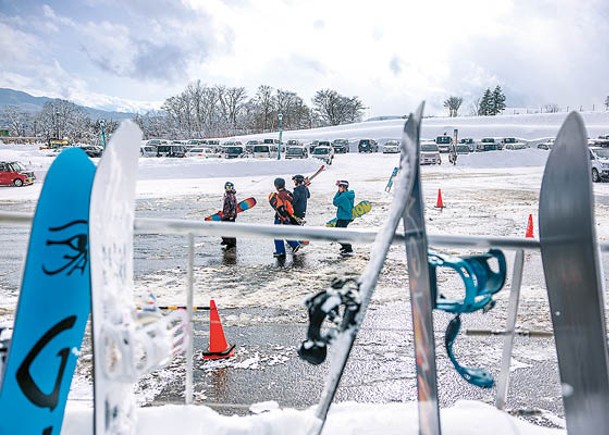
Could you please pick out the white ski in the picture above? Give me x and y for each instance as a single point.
(127, 344)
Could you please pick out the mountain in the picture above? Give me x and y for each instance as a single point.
(29, 103)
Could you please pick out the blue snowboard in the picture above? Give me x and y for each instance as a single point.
(54, 302)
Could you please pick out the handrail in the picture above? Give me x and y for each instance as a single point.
(234, 229)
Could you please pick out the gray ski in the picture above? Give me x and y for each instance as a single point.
(573, 278)
(360, 296)
(422, 302)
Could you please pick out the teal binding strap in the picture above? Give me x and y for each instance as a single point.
(481, 283)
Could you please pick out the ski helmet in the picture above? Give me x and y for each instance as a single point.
(229, 186)
(279, 182)
(298, 179)
(343, 183)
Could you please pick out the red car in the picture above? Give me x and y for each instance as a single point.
(15, 174)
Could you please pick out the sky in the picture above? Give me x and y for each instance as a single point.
(132, 55)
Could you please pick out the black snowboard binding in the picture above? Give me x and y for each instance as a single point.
(327, 305)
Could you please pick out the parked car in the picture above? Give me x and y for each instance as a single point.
(171, 151)
(367, 146)
(430, 154)
(147, 150)
(296, 152)
(462, 149)
(262, 151)
(487, 144)
(194, 143)
(234, 152)
(443, 143)
(599, 160)
(156, 142)
(547, 145)
(15, 174)
(204, 152)
(272, 143)
(325, 153)
(340, 145)
(511, 143)
(469, 141)
(250, 144)
(313, 145)
(92, 150)
(391, 146)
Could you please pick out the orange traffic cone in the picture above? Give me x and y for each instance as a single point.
(529, 234)
(218, 347)
(439, 203)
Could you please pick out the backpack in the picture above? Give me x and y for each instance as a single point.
(282, 203)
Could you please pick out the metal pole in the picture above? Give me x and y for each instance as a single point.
(280, 117)
(508, 340)
(189, 309)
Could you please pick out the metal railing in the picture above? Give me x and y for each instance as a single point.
(191, 228)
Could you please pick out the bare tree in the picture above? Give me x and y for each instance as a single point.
(335, 109)
(453, 104)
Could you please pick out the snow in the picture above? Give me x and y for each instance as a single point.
(520, 170)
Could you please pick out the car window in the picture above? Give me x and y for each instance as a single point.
(431, 147)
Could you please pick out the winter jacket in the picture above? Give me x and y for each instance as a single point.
(344, 202)
(301, 195)
(229, 206)
(281, 201)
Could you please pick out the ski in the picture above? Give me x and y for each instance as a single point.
(54, 302)
(127, 343)
(422, 301)
(569, 254)
(390, 181)
(319, 171)
(357, 294)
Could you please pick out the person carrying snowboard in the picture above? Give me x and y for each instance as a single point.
(281, 201)
(301, 196)
(229, 212)
(343, 201)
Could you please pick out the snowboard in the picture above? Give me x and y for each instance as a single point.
(54, 302)
(353, 297)
(390, 181)
(359, 209)
(570, 258)
(127, 343)
(422, 301)
(244, 205)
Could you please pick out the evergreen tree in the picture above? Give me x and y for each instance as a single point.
(486, 103)
(498, 105)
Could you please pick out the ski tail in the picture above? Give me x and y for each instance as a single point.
(421, 296)
(366, 284)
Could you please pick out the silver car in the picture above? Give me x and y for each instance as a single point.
(430, 154)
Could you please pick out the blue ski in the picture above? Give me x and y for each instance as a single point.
(54, 302)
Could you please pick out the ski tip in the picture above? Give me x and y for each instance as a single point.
(572, 135)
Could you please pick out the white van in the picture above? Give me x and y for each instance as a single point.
(599, 161)
(147, 150)
(262, 151)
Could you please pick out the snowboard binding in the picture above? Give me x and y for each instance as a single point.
(327, 304)
(481, 283)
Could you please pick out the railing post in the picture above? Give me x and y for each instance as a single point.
(188, 394)
(508, 339)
